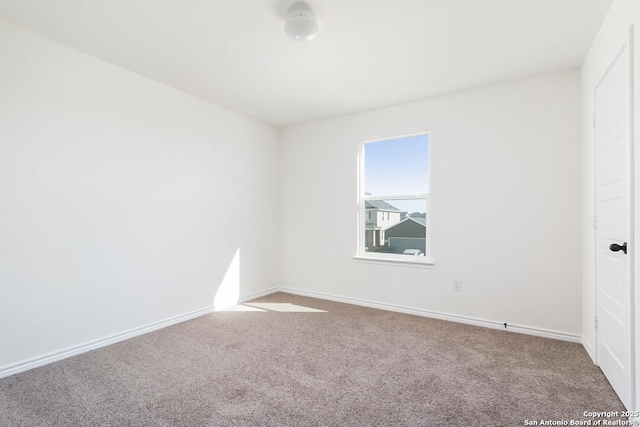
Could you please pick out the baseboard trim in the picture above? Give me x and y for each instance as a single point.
(48, 358)
(589, 350)
(257, 295)
(528, 330)
(55, 356)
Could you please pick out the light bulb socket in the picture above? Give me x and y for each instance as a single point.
(301, 24)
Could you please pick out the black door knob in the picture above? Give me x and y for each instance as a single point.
(616, 247)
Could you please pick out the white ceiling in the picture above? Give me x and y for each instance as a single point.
(368, 54)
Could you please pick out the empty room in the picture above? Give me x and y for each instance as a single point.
(273, 212)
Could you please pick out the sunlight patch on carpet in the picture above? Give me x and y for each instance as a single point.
(240, 307)
(283, 307)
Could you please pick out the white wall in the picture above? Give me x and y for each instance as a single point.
(505, 196)
(611, 36)
(122, 201)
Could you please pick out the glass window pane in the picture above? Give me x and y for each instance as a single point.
(396, 226)
(397, 166)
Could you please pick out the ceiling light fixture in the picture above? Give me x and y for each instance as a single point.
(301, 24)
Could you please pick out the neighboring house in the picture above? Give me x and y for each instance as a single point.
(379, 215)
(410, 233)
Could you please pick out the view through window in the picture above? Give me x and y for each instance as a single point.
(394, 198)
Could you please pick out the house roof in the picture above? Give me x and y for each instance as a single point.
(380, 205)
(420, 221)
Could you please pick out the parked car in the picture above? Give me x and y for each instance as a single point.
(413, 252)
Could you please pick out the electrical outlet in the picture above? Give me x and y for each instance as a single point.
(456, 284)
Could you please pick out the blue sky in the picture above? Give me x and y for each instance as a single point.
(398, 166)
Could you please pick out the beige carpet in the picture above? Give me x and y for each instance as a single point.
(285, 360)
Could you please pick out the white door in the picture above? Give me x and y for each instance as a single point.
(613, 226)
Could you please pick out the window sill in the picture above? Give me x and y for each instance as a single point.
(424, 263)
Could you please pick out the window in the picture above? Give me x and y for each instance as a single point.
(394, 186)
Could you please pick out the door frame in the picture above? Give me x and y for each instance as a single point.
(628, 45)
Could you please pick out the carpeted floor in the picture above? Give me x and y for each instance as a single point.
(285, 360)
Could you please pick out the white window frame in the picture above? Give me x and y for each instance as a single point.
(386, 258)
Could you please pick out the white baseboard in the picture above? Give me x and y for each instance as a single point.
(45, 359)
(589, 350)
(55, 356)
(528, 330)
(257, 295)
